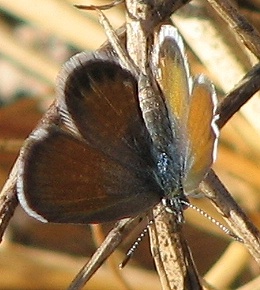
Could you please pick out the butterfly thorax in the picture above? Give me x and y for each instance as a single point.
(175, 205)
(169, 175)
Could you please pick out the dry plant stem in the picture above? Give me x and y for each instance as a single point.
(113, 239)
(171, 253)
(213, 187)
(8, 201)
(114, 40)
(243, 91)
(247, 33)
(238, 221)
(151, 13)
(98, 237)
(100, 7)
(142, 18)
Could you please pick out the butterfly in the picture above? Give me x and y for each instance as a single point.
(101, 153)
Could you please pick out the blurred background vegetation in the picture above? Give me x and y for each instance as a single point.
(36, 38)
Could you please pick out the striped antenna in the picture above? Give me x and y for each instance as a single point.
(217, 223)
(130, 252)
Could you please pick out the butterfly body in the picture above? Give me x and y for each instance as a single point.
(105, 151)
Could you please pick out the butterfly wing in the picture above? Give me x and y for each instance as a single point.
(202, 132)
(191, 109)
(93, 164)
(172, 72)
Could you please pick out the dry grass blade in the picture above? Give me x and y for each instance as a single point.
(171, 253)
(243, 91)
(239, 222)
(8, 201)
(248, 34)
(111, 242)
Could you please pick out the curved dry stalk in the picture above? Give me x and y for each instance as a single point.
(113, 239)
(242, 92)
(247, 33)
(8, 200)
(233, 214)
